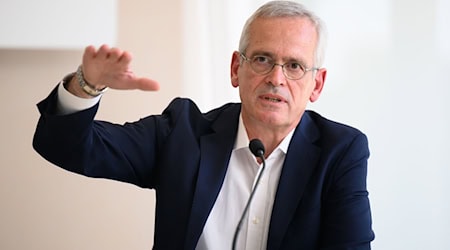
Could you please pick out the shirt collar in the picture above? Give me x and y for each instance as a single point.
(242, 140)
(241, 137)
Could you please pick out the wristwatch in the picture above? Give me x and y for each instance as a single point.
(88, 88)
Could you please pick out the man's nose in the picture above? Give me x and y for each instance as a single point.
(276, 75)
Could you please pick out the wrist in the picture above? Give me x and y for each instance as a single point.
(86, 87)
(70, 83)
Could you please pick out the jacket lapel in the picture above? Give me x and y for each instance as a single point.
(301, 159)
(216, 150)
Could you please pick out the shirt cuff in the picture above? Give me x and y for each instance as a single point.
(69, 103)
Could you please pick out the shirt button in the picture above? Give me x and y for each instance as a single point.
(255, 220)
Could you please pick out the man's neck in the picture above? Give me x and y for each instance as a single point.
(270, 136)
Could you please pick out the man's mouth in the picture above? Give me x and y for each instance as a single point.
(271, 99)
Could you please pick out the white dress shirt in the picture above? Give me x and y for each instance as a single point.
(239, 180)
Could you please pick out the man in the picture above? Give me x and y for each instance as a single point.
(313, 193)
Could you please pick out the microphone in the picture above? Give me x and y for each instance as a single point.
(257, 149)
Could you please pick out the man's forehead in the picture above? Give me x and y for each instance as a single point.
(283, 39)
(289, 29)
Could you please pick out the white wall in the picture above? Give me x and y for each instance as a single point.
(63, 24)
(388, 74)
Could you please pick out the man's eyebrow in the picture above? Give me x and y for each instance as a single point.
(299, 60)
(261, 53)
(295, 59)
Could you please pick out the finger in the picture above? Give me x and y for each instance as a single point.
(126, 57)
(102, 52)
(89, 53)
(114, 54)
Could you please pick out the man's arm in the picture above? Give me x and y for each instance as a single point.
(347, 222)
(68, 136)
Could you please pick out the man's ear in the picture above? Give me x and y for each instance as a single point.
(319, 81)
(235, 64)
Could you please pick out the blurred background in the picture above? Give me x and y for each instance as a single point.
(388, 67)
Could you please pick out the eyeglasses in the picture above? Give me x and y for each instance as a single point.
(263, 65)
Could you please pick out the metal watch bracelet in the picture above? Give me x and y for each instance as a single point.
(87, 88)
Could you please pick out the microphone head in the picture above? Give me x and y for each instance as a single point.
(257, 148)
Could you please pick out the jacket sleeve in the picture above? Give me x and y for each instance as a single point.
(100, 149)
(346, 222)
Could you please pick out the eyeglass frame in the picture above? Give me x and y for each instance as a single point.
(304, 69)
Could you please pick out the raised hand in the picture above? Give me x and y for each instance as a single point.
(110, 67)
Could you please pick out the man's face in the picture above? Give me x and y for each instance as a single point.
(272, 99)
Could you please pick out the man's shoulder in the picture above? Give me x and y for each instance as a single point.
(188, 106)
(332, 136)
(324, 123)
(326, 129)
(185, 111)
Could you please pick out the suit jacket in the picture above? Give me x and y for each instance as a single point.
(321, 200)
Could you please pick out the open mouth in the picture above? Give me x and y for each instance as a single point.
(271, 99)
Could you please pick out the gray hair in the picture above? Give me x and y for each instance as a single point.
(287, 9)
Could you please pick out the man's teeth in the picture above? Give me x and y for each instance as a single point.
(273, 99)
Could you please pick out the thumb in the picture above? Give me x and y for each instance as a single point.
(147, 84)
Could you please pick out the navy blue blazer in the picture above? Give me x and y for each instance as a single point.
(321, 200)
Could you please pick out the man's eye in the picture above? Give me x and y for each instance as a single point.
(294, 66)
(261, 60)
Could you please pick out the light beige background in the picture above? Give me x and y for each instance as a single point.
(43, 207)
